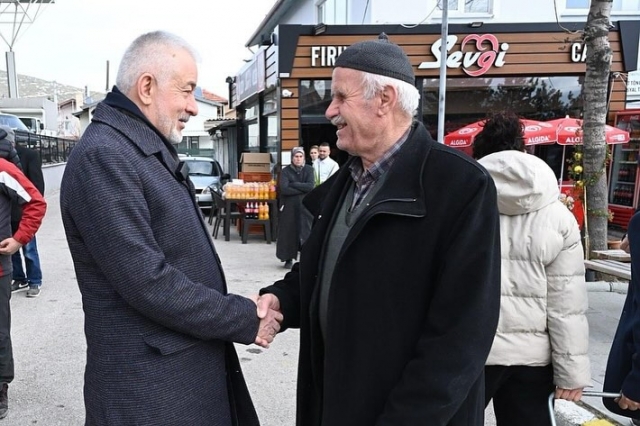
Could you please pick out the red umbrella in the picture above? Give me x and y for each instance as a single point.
(570, 132)
(535, 133)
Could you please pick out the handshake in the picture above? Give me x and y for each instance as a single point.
(268, 310)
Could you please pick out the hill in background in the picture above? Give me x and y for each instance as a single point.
(31, 86)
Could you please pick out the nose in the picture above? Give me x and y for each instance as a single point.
(192, 105)
(332, 110)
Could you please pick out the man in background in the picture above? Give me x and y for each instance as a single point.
(15, 190)
(28, 277)
(324, 166)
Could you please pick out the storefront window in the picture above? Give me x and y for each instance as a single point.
(332, 12)
(253, 135)
(315, 97)
(270, 103)
(251, 112)
(469, 99)
(466, 6)
(617, 6)
(272, 130)
(537, 98)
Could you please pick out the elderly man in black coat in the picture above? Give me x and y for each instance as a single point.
(397, 291)
(159, 322)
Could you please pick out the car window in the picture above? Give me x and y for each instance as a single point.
(13, 122)
(202, 168)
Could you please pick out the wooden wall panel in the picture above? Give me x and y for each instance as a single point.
(290, 102)
(529, 54)
(290, 124)
(288, 144)
(540, 53)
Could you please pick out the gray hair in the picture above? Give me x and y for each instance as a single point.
(408, 95)
(148, 53)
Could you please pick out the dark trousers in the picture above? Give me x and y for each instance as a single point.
(6, 351)
(520, 394)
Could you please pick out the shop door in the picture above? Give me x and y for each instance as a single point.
(315, 134)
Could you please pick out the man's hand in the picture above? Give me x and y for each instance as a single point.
(569, 394)
(9, 246)
(626, 403)
(268, 310)
(624, 244)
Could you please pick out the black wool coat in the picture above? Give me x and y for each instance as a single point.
(623, 366)
(159, 322)
(414, 300)
(293, 186)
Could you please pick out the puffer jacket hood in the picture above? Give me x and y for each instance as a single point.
(525, 183)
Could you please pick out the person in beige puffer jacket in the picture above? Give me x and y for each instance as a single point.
(541, 345)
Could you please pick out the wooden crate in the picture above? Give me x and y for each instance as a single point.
(254, 176)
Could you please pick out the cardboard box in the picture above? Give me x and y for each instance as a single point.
(255, 162)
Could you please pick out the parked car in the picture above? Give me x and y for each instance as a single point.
(206, 175)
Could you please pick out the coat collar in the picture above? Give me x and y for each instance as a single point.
(403, 187)
(120, 113)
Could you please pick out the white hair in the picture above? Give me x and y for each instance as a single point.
(408, 95)
(148, 53)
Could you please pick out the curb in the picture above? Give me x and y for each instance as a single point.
(608, 286)
(573, 414)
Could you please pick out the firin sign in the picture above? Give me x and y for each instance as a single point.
(477, 54)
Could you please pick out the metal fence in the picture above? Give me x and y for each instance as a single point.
(51, 149)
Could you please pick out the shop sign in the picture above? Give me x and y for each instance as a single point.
(327, 55)
(633, 86)
(487, 52)
(251, 79)
(578, 52)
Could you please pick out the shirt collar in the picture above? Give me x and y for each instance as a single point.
(383, 164)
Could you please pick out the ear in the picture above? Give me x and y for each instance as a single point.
(145, 87)
(388, 99)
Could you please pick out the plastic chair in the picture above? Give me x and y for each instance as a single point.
(221, 214)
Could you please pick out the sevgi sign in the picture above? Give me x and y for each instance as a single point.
(486, 52)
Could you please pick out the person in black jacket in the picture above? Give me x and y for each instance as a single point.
(32, 279)
(397, 291)
(15, 190)
(296, 180)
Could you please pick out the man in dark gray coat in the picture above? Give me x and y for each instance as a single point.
(159, 322)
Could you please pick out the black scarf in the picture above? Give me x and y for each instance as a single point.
(118, 100)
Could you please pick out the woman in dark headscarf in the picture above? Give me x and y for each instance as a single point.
(296, 180)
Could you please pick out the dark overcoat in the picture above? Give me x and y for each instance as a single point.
(158, 319)
(414, 300)
(623, 366)
(293, 186)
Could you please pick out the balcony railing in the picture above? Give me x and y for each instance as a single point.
(51, 149)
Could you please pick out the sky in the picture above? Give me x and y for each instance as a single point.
(70, 41)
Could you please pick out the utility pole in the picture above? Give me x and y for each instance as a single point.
(16, 14)
(442, 91)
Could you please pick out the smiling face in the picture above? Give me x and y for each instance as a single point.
(313, 154)
(353, 115)
(172, 97)
(323, 152)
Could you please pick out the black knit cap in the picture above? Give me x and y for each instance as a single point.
(380, 57)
